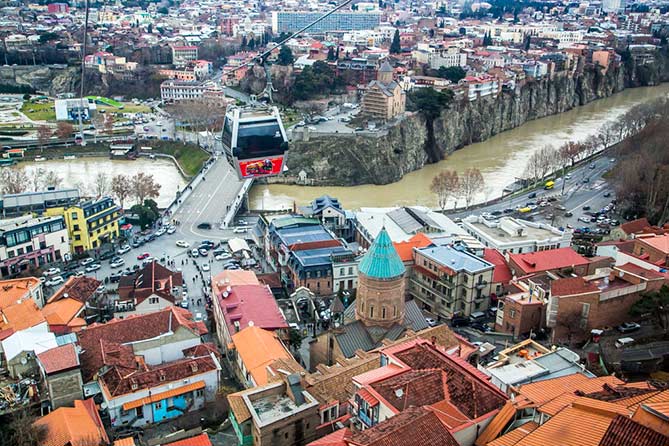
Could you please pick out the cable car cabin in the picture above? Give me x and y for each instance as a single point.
(254, 141)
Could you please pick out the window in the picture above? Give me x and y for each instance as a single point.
(75, 227)
(199, 393)
(350, 270)
(153, 300)
(140, 412)
(341, 271)
(74, 216)
(77, 237)
(158, 405)
(512, 313)
(371, 311)
(383, 312)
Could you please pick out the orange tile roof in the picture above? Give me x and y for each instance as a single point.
(127, 441)
(238, 406)
(163, 395)
(14, 289)
(405, 249)
(662, 397)
(258, 348)
(21, 316)
(73, 426)
(198, 440)
(336, 438)
(499, 422)
(63, 311)
(60, 358)
(582, 424)
(235, 277)
(542, 392)
(514, 436)
(659, 242)
(661, 408)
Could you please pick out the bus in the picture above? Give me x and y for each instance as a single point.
(549, 184)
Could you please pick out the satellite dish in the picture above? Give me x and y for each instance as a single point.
(103, 405)
(228, 289)
(251, 324)
(225, 294)
(24, 361)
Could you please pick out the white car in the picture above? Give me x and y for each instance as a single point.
(171, 230)
(117, 263)
(239, 230)
(56, 280)
(195, 253)
(87, 261)
(160, 232)
(123, 249)
(223, 257)
(51, 272)
(205, 267)
(148, 260)
(92, 267)
(101, 289)
(182, 244)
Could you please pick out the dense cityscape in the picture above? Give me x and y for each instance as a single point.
(347, 223)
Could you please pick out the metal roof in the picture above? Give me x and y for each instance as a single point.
(456, 259)
(33, 198)
(320, 256)
(283, 222)
(303, 234)
(382, 261)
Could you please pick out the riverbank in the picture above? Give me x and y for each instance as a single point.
(501, 159)
(189, 158)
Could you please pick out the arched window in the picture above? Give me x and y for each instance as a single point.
(383, 312)
(394, 310)
(371, 311)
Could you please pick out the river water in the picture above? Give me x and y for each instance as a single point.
(82, 172)
(501, 159)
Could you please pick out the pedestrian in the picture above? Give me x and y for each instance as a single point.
(193, 279)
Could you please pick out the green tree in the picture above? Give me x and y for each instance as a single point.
(295, 338)
(430, 103)
(162, 10)
(285, 56)
(149, 28)
(252, 43)
(147, 213)
(655, 303)
(453, 74)
(396, 47)
(316, 80)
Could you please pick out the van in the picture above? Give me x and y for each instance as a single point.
(477, 316)
(624, 342)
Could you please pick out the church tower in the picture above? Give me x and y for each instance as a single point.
(385, 73)
(380, 294)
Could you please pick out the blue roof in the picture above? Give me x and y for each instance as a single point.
(303, 234)
(319, 256)
(382, 261)
(321, 203)
(456, 259)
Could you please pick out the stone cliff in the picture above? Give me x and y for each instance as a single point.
(346, 160)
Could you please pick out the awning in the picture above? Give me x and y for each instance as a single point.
(163, 395)
(367, 396)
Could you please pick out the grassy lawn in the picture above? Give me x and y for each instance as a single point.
(128, 107)
(39, 112)
(190, 157)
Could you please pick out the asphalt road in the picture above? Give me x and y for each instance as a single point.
(576, 195)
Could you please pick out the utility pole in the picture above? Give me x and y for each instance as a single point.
(83, 74)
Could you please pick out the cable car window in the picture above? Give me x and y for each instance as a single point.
(260, 139)
(226, 137)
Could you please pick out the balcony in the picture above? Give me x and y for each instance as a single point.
(481, 285)
(362, 416)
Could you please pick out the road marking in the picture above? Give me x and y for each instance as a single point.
(601, 192)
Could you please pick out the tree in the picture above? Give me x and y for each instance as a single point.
(295, 338)
(143, 186)
(13, 181)
(655, 303)
(64, 130)
(454, 74)
(252, 44)
(19, 429)
(149, 28)
(43, 135)
(244, 43)
(285, 56)
(471, 181)
(445, 185)
(541, 163)
(147, 213)
(121, 187)
(108, 124)
(331, 54)
(396, 46)
(101, 184)
(51, 179)
(98, 121)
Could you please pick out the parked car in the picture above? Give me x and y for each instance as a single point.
(87, 261)
(224, 256)
(51, 272)
(123, 249)
(184, 303)
(205, 267)
(532, 195)
(480, 326)
(92, 267)
(568, 214)
(117, 263)
(148, 260)
(115, 277)
(55, 280)
(430, 321)
(160, 232)
(203, 252)
(624, 342)
(101, 289)
(586, 208)
(239, 230)
(204, 225)
(143, 256)
(460, 321)
(628, 327)
(182, 244)
(107, 255)
(171, 230)
(195, 253)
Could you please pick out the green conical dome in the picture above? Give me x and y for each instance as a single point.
(382, 261)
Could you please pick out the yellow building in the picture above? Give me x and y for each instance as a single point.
(89, 223)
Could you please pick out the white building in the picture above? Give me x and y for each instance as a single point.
(448, 57)
(181, 55)
(69, 109)
(480, 87)
(176, 90)
(516, 236)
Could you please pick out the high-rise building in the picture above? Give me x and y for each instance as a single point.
(339, 21)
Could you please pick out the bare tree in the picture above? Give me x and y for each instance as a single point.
(445, 185)
(143, 186)
(606, 135)
(52, 179)
(64, 130)
(542, 162)
(101, 184)
(121, 187)
(43, 135)
(471, 181)
(35, 179)
(13, 181)
(108, 124)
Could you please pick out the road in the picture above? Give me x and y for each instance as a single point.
(576, 195)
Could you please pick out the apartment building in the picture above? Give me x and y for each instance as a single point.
(27, 242)
(89, 223)
(291, 21)
(181, 55)
(449, 280)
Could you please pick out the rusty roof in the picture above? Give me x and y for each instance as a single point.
(623, 431)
